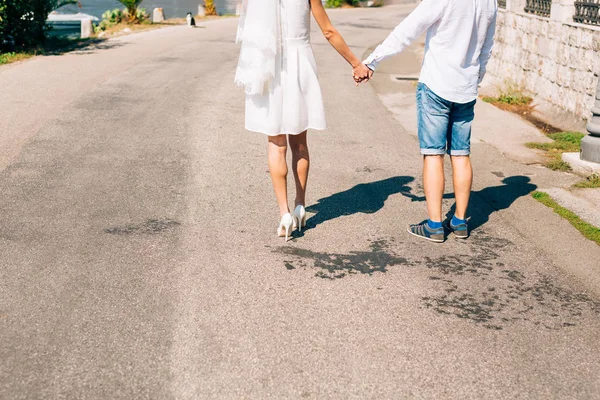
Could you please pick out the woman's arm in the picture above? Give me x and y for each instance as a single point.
(361, 72)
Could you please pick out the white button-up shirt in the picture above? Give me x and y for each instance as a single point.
(460, 36)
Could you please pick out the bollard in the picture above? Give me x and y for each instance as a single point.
(87, 28)
(590, 145)
(201, 10)
(158, 15)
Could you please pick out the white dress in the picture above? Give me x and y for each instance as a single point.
(294, 102)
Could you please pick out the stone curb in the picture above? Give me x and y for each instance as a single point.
(580, 166)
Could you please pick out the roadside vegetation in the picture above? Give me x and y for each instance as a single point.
(591, 182)
(511, 98)
(23, 23)
(341, 3)
(124, 18)
(509, 95)
(350, 3)
(6, 58)
(210, 8)
(562, 142)
(23, 29)
(24, 32)
(587, 230)
(51, 46)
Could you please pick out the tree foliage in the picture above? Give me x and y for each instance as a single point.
(23, 22)
(132, 9)
(339, 3)
(209, 7)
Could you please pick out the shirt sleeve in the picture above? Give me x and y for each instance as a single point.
(423, 17)
(486, 50)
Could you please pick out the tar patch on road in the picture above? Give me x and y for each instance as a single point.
(481, 289)
(476, 287)
(149, 227)
(336, 265)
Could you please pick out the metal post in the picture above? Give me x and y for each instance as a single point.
(590, 145)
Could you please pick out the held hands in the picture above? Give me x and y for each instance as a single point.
(361, 74)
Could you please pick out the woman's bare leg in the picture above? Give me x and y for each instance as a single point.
(276, 152)
(300, 165)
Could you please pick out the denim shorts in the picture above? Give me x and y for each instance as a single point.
(444, 126)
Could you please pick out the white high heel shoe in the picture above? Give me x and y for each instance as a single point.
(300, 217)
(285, 226)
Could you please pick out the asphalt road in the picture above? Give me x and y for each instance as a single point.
(139, 256)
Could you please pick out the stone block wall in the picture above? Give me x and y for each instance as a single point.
(555, 61)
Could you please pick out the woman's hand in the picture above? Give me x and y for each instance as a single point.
(361, 74)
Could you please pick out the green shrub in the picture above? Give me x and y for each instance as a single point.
(339, 3)
(132, 12)
(510, 94)
(110, 18)
(116, 16)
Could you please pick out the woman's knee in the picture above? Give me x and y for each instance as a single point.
(278, 143)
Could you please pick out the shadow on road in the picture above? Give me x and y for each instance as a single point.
(367, 198)
(56, 46)
(487, 201)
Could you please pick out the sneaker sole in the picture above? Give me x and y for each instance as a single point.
(425, 237)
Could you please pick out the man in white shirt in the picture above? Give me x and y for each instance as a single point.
(460, 36)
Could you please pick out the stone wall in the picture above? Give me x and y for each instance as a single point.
(555, 61)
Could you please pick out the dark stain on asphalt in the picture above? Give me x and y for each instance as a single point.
(289, 265)
(151, 227)
(367, 169)
(474, 287)
(335, 266)
(515, 297)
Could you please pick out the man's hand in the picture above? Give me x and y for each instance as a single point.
(361, 74)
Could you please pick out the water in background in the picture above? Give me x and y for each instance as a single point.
(172, 8)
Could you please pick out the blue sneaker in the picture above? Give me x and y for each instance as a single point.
(423, 230)
(461, 231)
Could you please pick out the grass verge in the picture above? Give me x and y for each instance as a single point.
(562, 142)
(7, 58)
(59, 45)
(587, 230)
(511, 98)
(591, 182)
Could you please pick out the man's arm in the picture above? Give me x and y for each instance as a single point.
(423, 17)
(486, 50)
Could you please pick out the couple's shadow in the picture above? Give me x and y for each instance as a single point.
(368, 198)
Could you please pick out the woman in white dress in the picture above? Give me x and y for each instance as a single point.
(277, 67)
